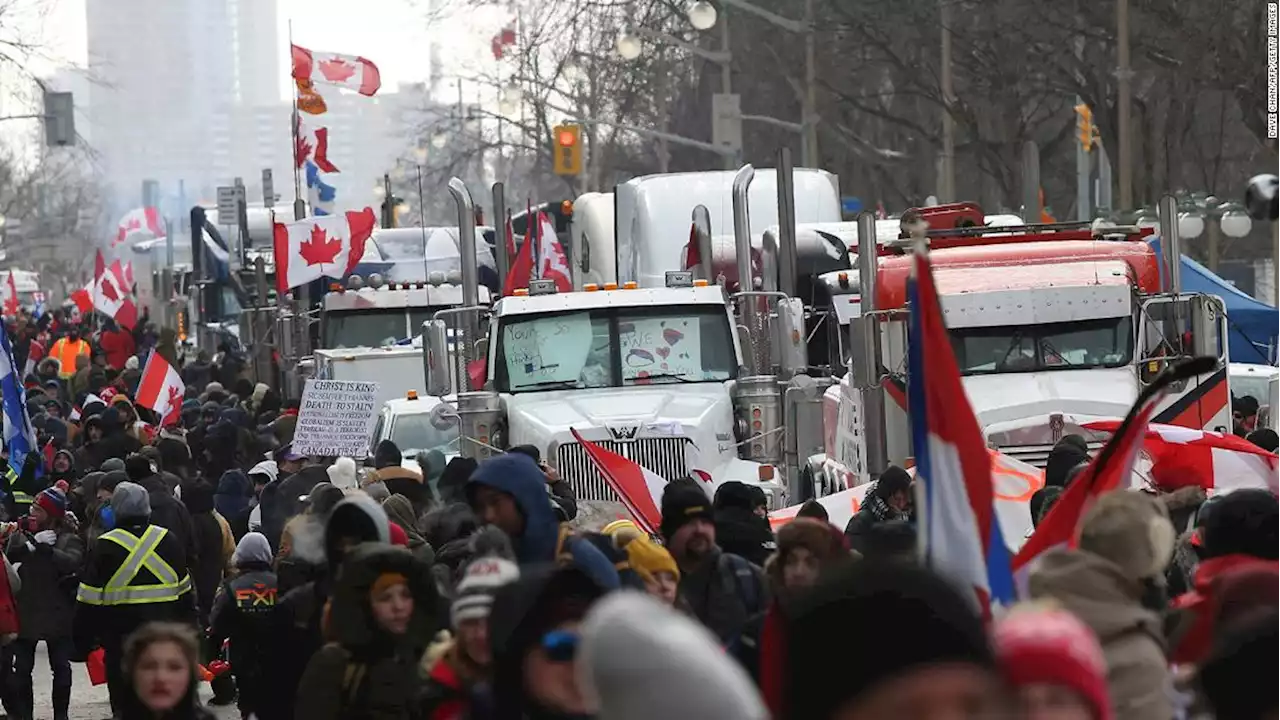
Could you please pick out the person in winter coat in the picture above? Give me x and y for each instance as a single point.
(232, 500)
(166, 510)
(400, 511)
(448, 531)
(198, 373)
(63, 467)
(533, 630)
(296, 624)
(1113, 582)
(454, 666)
(242, 614)
(509, 492)
(1067, 453)
(161, 669)
(806, 549)
(214, 544)
(116, 441)
(1054, 664)
(742, 524)
(723, 590)
(562, 495)
(685, 675)
(1240, 533)
(888, 500)
(1243, 653)
(298, 568)
(107, 625)
(381, 613)
(342, 474)
(117, 345)
(48, 554)
(399, 480)
(935, 660)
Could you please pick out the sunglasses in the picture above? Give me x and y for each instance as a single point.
(560, 646)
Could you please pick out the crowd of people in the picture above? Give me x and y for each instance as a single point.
(206, 550)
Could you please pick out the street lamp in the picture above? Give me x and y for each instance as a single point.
(1190, 225)
(571, 71)
(629, 46)
(439, 140)
(1235, 224)
(507, 106)
(702, 15)
(420, 155)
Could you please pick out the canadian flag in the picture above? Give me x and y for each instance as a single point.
(555, 264)
(108, 293)
(11, 304)
(347, 71)
(505, 38)
(328, 246)
(1214, 461)
(161, 389)
(141, 224)
(312, 143)
(639, 487)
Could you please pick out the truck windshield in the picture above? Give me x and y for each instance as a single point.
(365, 328)
(1081, 344)
(415, 433)
(615, 347)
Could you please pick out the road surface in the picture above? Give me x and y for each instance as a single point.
(89, 702)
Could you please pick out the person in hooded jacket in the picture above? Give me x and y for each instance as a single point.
(232, 500)
(1070, 451)
(399, 480)
(90, 454)
(298, 568)
(214, 544)
(115, 442)
(129, 421)
(381, 613)
(509, 492)
(242, 614)
(198, 372)
(448, 531)
(563, 497)
(888, 500)
(63, 467)
(400, 511)
(1113, 581)
(742, 524)
(806, 549)
(166, 510)
(296, 623)
(48, 554)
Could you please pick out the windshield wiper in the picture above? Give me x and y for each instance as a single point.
(548, 385)
(681, 378)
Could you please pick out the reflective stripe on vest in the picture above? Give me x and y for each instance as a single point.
(142, 553)
(18, 496)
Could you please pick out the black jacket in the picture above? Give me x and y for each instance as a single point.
(46, 602)
(293, 637)
(104, 625)
(242, 613)
(169, 513)
(743, 533)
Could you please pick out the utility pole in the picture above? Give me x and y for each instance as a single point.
(810, 154)
(726, 78)
(947, 181)
(1124, 78)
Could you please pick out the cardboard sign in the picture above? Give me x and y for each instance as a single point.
(546, 350)
(336, 418)
(661, 346)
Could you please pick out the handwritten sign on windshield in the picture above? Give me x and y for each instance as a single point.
(546, 350)
(660, 346)
(336, 418)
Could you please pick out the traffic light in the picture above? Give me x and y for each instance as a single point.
(566, 149)
(1084, 126)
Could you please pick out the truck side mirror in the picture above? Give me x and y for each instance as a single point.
(436, 358)
(789, 337)
(1208, 330)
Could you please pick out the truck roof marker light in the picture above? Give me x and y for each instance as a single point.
(611, 286)
(411, 395)
(765, 473)
(843, 278)
(630, 285)
(335, 287)
(520, 292)
(700, 282)
(566, 208)
(590, 287)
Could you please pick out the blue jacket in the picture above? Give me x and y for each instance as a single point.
(519, 476)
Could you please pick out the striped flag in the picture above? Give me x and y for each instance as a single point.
(19, 435)
(639, 487)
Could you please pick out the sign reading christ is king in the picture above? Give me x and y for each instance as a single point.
(336, 419)
(1273, 68)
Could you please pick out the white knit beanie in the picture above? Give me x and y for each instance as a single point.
(480, 582)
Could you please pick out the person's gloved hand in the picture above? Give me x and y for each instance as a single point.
(46, 537)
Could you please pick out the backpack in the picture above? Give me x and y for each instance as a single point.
(353, 677)
(735, 571)
(627, 576)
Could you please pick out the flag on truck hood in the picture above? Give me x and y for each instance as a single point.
(346, 71)
(1213, 461)
(961, 536)
(639, 488)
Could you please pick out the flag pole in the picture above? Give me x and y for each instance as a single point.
(298, 212)
(422, 222)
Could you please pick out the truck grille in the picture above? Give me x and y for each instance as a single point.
(663, 455)
(1038, 455)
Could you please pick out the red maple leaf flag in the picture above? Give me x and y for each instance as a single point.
(327, 246)
(139, 224)
(312, 143)
(348, 71)
(319, 249)
(161, 389)
(11, 303)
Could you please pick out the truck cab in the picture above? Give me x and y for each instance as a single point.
(370, 312)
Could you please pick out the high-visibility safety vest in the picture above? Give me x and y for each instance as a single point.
(120, 589)
(19, 497)
(66, 352)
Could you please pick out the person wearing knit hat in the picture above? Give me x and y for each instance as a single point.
(1053, 663)
(45, 548)
(623, 531)
(722, 590)
(241, 616)
(1113, 581)
(455, 665)
(925, 651)
(656, 568)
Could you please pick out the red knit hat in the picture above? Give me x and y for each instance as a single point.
(1052, 647)
(398, 535)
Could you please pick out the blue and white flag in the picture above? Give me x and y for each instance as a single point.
(962, 536)
(320, 195)
(19, 435)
